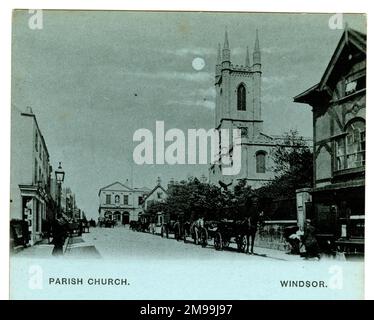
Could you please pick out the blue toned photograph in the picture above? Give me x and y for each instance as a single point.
(187, 155)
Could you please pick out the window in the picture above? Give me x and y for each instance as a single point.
(352, 86)
(244, 132)
(108, 199)
(355, 144)
(36, 141)
(350, 149)
(140, 200)
(125, 199)
(260, 161)
(241, 97)
(116, 199)
(339, 150)
(36, 171)
(37, 213)
(159, 195)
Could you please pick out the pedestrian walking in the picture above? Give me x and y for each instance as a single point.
(59, 236)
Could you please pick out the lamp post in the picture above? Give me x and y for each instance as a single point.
(60, 175)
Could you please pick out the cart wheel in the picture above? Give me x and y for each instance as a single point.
(204, 237)
(218, 244)
(242, 243)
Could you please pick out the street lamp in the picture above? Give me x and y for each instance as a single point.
(60, 175)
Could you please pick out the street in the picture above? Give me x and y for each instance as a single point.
(123, 243)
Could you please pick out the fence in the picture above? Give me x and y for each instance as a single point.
(279, 214)
(271, 235)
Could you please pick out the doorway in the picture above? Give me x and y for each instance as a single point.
(125, 218)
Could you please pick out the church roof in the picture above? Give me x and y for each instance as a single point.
(350, 41)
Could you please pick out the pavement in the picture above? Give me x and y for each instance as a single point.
(122, 243)
(74, 247)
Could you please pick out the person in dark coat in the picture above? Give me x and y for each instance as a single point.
(59, 236)
(253, 228)
(310, 241)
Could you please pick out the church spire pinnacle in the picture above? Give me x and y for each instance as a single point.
(226, 43)
(256, 51)
(219, 61)
(257, 42)
(226, 49)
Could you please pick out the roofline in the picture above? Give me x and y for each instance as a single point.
(153, 190)
(113, 184)
(298, 98)
(346, 37)
(28, 114)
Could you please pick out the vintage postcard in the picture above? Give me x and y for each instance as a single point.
(187, 155)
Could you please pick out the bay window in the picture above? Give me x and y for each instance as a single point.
(350, 149)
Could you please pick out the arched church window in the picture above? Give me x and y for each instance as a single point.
(260, 161)
(241, 97)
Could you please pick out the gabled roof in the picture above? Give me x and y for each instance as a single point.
(351, 39)
(154, 189)
(304, 96)
(119, 185)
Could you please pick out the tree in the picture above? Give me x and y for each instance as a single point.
(155, 207)
(195, 198)
(293, 167)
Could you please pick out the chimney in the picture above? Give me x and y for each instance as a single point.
(29, 110)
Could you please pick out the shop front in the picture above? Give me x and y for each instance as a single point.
(339, 216)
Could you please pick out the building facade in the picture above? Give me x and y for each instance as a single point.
(121, 203)
(68, 203)
(157, 194)
(30, 198)
(338, 102)
(238, 106)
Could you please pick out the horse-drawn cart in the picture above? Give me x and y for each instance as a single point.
(144, 224)
(230, 231)
(171, 225)
(199, 231)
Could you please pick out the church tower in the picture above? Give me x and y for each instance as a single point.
(238, 91)
(238, 106)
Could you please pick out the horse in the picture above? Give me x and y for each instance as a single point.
(250, 227)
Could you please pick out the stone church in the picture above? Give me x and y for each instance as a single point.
(238, 105)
